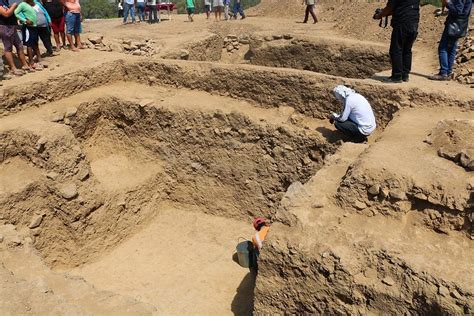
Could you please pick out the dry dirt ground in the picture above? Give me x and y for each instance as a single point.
(129, 172)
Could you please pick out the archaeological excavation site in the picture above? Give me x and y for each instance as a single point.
(130, 171)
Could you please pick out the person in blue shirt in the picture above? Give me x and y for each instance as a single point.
(449, 44)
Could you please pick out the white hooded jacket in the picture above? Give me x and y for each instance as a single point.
(356, 108)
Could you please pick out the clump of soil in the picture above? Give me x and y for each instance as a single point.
(454, 140)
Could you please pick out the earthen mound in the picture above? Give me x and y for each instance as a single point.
(454, 140)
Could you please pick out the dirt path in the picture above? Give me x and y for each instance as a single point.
(181, 263)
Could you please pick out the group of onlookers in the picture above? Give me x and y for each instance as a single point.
(37, 20)
(218, 6)
(138, 8)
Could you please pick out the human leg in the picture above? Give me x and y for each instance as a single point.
(70, 30)
(447, 54)
(396, 53)
(306, 14)
(351, 129)
(410, 33)
(241, 11)
(311, 11)
(45, 36)
(126, 10)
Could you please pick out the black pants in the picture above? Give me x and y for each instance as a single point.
(310, 10)
(403, 38)
(153, 12)
(351, 130)
(45, 35)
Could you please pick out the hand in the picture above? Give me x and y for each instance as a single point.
(331, 118)
(377, 16)
(28, 22)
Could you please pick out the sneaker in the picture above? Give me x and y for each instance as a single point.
(440, 77)
(392, 80)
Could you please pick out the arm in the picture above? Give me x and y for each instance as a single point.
(345, 115)
(8, 12)
(455, 6)
(387, 11)
(19, 13)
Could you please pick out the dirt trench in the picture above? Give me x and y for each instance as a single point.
(224, 163)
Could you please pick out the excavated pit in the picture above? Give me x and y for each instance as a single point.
(124, 159)
(342, 59)
(105, 168)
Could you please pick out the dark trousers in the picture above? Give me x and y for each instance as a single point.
(447, 53)
(403, 38)
(153, 14)
(351, 130)
(238, 9)
(310, 10)
(44, 34)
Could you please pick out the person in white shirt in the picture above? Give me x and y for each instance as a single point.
(357, 119)
(129, 7)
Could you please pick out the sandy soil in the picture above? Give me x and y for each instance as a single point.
(127, 189)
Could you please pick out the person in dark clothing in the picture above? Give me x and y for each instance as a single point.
(310, 10)
(449, 44)
(55, 10)
(405, 19)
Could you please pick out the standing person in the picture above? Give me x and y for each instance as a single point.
(405, 20)
(310, 10)
(226, 9)
(153, 11)
(10, 38)
(458, 11)
(43, 21)
(207, 8)
(26, 14)
(56, 11)
(120, 9)
(261, 227)
(73, 23)
(357, 120)
(129, 8)
(218, 5)
(238, 8)
(141, 10)
(190, 9)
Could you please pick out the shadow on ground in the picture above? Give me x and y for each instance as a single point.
(242, 304)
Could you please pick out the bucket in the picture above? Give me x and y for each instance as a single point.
(243, 253)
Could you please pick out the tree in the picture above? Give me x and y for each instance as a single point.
(98, 9)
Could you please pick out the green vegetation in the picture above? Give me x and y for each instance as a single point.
(98, 9)
(436, 3)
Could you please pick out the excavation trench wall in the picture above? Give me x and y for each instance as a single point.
(222, 163)
(302, 274)
(309, 94)
(323, 57)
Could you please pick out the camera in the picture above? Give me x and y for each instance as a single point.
(383, 22)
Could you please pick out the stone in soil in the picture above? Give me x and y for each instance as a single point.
(69, 191)
(36, 221)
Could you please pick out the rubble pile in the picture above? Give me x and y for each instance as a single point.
(232, 42)
(127, 46)
(464, 72)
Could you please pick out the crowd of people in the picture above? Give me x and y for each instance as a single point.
(137, 10)
(37, 21)
(219, 7)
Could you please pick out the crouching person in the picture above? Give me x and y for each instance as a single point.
(357, 120)
(262, 227)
